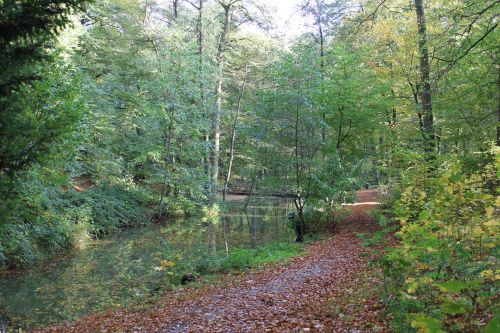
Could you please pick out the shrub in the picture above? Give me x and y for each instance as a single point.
(444, 276)
(176, 265)
(323, 218)
(42, 218)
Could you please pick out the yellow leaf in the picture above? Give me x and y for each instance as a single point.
(490, 211)
(478, 231)
(412, 287)
(487, 274)
(491, 223)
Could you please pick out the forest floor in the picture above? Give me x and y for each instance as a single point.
(330, 289)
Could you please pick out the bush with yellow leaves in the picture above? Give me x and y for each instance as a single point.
(444, 276)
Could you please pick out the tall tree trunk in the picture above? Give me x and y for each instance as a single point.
(298, 201)
(225, 224)
(429, 137)
(300, 224)
(498, 110)
(233, 134)
(162, 197)
(201, 51)
(167, 136)
(218, 105)
(322, 68)
(175, 5)
(200, 36)
(296, 137)
(169, 160)
(206, 130)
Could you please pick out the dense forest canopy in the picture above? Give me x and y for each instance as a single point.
(115, 113)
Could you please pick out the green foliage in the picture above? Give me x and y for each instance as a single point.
(324, 217)
(176, 266)
(40, 107)
(241, 258)
(37, 103)
(493, 325)
(40, 117)
(22, 20)
(132, 109)
(36, 141)
(444, 276)
(35, 222)
(426, 324)
(43, 218)
(144, 128)
(170, 265)
(113, 206)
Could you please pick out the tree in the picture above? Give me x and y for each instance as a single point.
(426, 115)
(324, 14)
(27, 49)
(241, 92)
(145, 97)
(240, 10)
(228, 8)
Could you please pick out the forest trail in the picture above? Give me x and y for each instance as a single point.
(328, 290)
(367, 196)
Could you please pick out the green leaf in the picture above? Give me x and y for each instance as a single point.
(426, 324)
(453, 308)
(493, 325)
(424, 215)
(412, 287)
(452, 286)
(475, 284)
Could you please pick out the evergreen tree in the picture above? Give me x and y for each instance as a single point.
(27, 50)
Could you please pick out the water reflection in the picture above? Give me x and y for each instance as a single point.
(119, 270)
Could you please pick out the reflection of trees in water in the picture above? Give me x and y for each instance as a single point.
(4, 319)
(263, 222)
(266, 220)
(116, 269)
(211, 238)
(225, 224)
(252, 227)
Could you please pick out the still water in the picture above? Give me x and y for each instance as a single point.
(119, 270)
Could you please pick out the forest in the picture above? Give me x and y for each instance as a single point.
(249, 165)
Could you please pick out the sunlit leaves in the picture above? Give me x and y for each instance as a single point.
(448, 237)
(426, 324)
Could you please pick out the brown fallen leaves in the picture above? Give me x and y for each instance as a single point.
(329, 290)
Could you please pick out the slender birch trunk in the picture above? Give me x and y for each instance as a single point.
(233, 134)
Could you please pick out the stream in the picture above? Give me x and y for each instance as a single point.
(119, 270)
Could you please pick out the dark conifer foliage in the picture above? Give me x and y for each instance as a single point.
(27, 30)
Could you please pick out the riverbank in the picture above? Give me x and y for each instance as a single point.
(330, 289)
(124, 269)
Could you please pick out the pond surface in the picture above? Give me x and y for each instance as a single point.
(120, 269)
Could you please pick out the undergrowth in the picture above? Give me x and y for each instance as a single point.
(235, 260)
(42, 218)
(444, 274)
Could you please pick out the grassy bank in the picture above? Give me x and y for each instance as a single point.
(179, 270)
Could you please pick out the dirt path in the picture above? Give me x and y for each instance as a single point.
(327, 290)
